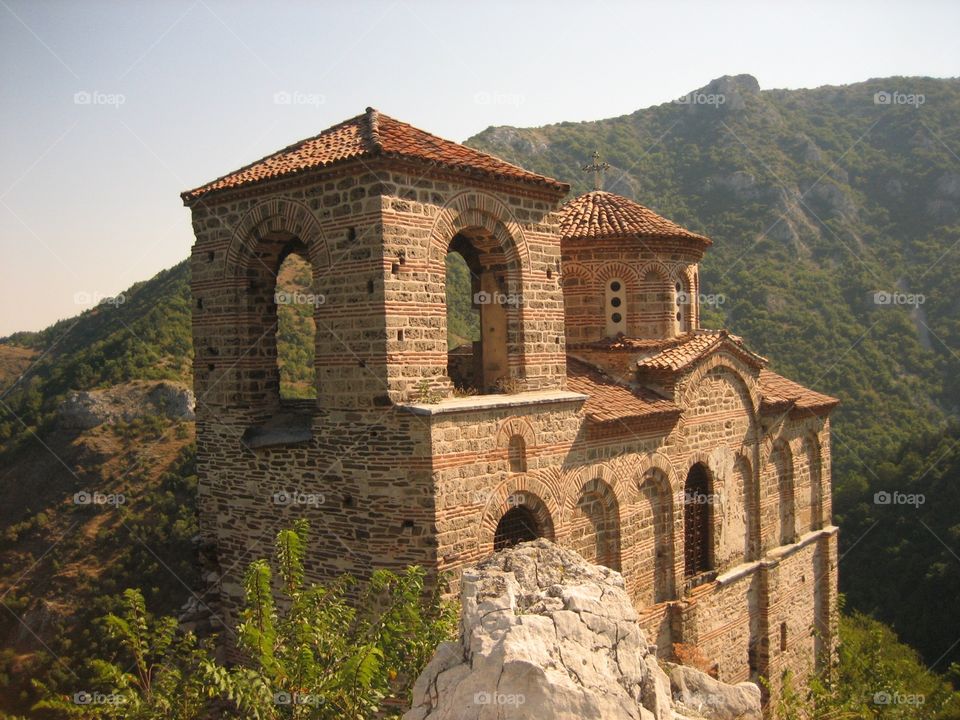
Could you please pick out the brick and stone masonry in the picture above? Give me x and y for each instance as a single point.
(603, 417)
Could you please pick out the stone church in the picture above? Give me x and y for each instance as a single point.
(593, 410)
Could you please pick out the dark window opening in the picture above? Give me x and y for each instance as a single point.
(696, 521)
(516, 526)
(783, 636)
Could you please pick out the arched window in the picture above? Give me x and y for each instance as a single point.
(595, 525)
(697, 521)
(296, 333)
(479, 314)
(517, 451)
(783, 466)
(656, 519)
(616, 307)
(517, 525)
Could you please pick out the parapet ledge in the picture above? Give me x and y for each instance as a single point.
(473, 403)
(774, 556)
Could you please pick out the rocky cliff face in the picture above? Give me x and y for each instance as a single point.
(546, 635)
(83, 410)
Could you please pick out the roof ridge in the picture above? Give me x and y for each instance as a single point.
(372, 116)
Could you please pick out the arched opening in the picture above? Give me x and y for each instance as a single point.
(783, 466)
(517, 525)
(697, 504)
(657, 521)
(296, 333)
(480, 304)
(517, 451)
(595, 525)
(657, 305)
(463, 324)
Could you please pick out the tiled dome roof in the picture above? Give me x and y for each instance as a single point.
(601, 214)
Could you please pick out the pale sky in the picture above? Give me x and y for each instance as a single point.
(108, 110)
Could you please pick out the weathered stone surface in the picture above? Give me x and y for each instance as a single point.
(714, 699)
(84, 410)
(545, 634)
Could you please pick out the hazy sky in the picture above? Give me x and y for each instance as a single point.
(108, 110)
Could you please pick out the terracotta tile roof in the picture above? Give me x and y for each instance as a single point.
(600, 214)
(371, 135)
(609, 401)
(779, 393)
(673, 356)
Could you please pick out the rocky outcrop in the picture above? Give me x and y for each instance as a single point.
(83, 410)
(546, 635)
(703, 694)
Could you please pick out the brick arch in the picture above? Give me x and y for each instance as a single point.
(529, 491)
(619, 270)
(275, 216)
(602, 542)
(654, 266)
(656, 460)
(751, 505)
(574, 269)
(516, 425)
(738, 370)
(785, 486)
(470, 209)
(603, 471)
(655, 567)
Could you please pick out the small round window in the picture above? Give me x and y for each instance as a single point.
(616, 317)
(678, 287)
(615, 286)
(678, 316)
(615, 301)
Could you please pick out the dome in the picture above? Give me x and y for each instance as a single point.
(605, 215)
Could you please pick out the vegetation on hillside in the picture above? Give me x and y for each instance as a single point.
(311, 652)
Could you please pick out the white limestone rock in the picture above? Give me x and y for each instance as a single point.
(544, 635)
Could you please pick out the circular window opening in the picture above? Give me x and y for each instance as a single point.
(678, 316)
(678, 287)
(516, 526)
(615, 301)
(615, 286)
(616, 317)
